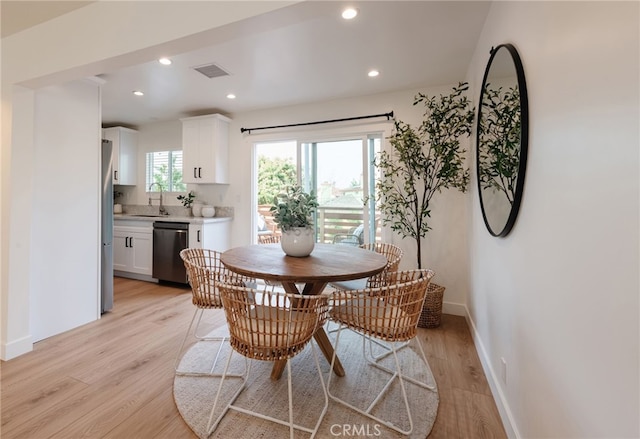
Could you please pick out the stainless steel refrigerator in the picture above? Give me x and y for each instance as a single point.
(106, 290)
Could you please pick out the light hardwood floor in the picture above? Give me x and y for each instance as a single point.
(113, 378)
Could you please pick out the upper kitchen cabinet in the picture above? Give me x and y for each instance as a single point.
(125, 154)
(205, 149)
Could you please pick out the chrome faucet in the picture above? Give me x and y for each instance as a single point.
(161, 209)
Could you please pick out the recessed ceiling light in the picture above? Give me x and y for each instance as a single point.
(165, 61)
(373, 73)
(231, 96)
(138, 93)
(349, 13)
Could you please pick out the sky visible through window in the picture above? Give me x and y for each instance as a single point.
(338, 162)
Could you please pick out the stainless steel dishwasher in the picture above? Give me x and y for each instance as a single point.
(169, 239)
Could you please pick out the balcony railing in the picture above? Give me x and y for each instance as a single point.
(331, 221)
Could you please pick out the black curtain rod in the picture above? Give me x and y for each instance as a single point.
(388, 115)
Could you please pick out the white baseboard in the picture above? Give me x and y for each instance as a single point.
(16, 348)
(496, 388)
(456, 309)
(136, 276)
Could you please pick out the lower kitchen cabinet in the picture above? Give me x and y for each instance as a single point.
(214, 236)
(133, 249)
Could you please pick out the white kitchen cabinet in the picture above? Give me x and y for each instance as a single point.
(125, 154)
(133, 249)
(214, 236)
(205, 149)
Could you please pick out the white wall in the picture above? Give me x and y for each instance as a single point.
(16, 336)
(558, 297)
(65, 214)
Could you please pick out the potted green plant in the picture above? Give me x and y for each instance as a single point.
(187, 201)
(424, 160)
(293, 212)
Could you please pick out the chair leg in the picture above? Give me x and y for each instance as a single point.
(385, 346)
(373, 341)
(424, 385)
(290, 393)
(198, 312)
(211, 425)
(394, 374)
(324, 389)
(184, 340)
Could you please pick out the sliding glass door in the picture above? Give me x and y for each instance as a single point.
(340, 172)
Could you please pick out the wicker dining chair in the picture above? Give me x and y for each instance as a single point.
(269, 239)
(205, 271)
(276, 326)
(389, 313)
(392, 252)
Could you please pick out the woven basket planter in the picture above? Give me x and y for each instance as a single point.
(432, 309)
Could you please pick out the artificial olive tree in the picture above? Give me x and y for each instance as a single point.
(424, 160)
(499, 140)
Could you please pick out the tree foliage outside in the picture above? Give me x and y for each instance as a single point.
(161, 176)
(274, 175)
(499, 140)
(424, 160)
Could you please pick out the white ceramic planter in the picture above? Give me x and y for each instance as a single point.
(298, 242)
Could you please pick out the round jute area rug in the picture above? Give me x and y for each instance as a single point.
(194, 395)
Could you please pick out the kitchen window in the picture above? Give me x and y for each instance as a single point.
(165, 168)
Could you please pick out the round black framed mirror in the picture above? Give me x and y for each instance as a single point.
(502, 139)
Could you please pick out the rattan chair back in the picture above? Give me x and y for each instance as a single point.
(273, 325)
(205, 271)
(393, 253)
(269, 239)
(389, 312)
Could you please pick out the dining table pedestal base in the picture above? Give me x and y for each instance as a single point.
(327, 350)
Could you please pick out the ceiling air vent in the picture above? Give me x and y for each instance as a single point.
(211, 71)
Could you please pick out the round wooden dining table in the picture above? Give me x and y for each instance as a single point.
(326, 263)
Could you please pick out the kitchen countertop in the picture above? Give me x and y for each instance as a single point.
(172, 218)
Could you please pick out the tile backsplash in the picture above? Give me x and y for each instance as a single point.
(144, 209)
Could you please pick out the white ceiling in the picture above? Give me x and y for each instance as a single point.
(17, 15)
(304, 53)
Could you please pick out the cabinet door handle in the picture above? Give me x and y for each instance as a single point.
(198, 235)
(115, 175)
(131, 241)
(199, 172)
(126, 241)
(195, 175)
